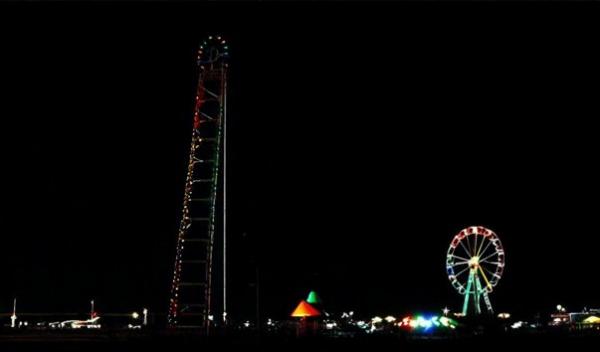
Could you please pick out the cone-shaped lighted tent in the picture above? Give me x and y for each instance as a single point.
(592, 320)
(304, 310)
(313, 298)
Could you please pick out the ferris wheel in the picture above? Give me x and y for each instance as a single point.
(475, 254)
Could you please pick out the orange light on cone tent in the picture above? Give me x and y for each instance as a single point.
(304, 310)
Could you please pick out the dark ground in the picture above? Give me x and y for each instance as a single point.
(161, 342)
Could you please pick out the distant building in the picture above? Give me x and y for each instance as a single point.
(560, 319)
(588, 319)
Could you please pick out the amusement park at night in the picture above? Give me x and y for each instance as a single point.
(189, 179)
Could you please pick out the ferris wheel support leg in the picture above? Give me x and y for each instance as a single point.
(488, 304)
(477, 294)
(467, 294)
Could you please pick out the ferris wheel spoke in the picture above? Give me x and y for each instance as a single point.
(465, 248)
(475, 244)
(488, 257)
(495, 276)
(489, 271)
(485, 277)
(483, 240)
(469, 245)
(466, 262)
(488, 262)
(491, 251)
(466, 254)
(462, 271)
(459, 257)
(482, 252)
(484, 267)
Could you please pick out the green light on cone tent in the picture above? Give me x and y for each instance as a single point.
(313, 298)
(304, 310)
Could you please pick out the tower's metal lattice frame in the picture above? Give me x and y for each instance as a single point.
(191, 289)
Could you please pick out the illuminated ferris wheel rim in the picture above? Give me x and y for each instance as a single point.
(475, 249)
(211, 50)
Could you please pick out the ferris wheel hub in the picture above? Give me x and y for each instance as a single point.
(474, 262)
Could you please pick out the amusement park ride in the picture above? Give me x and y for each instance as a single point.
(190, 303)
(474, 262)
(473, 252)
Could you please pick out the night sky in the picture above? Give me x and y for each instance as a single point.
(362, 138)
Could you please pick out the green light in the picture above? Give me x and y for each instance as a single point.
(444, 321)
(313, 298)
(422, 322)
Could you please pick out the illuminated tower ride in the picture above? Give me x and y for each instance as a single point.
(192, 285)
(475, 254)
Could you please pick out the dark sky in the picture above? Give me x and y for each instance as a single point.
(361, 139)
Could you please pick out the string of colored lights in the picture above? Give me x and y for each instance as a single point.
(421, 323)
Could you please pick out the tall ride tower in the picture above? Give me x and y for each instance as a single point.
(192, 285)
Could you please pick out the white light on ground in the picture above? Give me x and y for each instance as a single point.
(517, 325)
